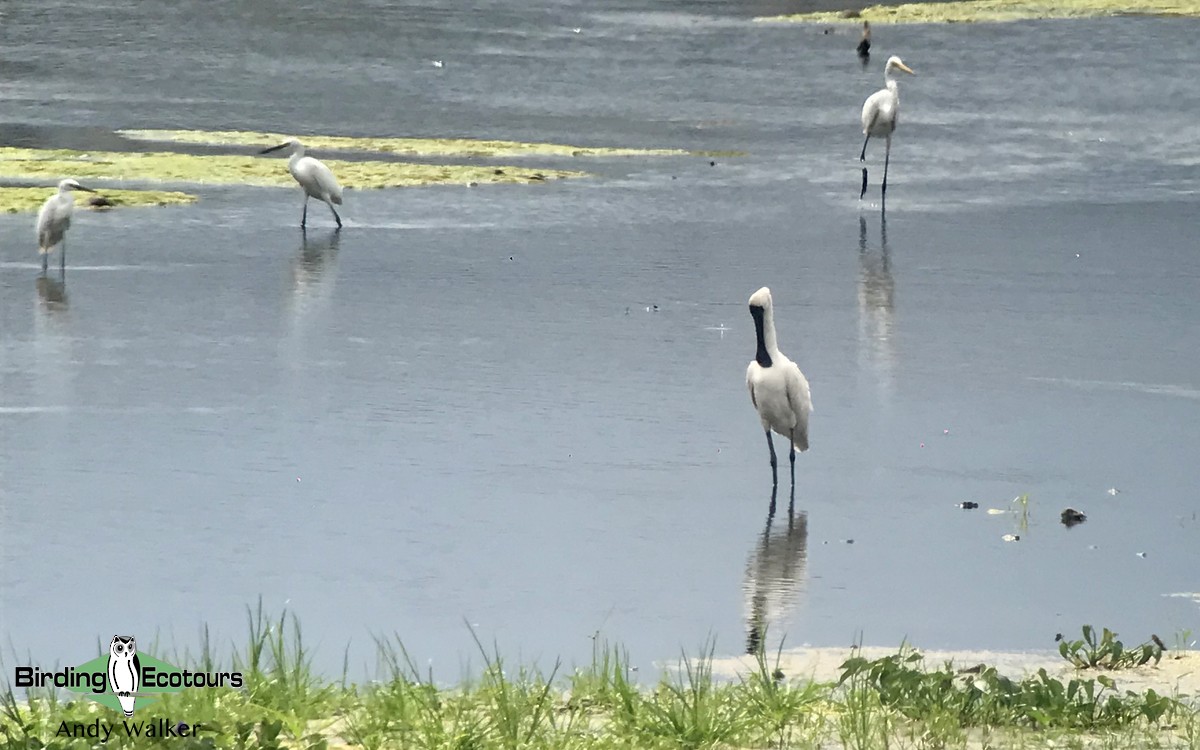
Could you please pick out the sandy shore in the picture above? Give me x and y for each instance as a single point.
(1177, 673)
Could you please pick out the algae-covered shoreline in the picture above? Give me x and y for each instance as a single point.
(995, 11)
(429, 147)
(223, 169)
(15, 200)
(168, 167)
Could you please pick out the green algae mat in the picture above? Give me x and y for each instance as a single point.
(16, 200)
(445, 147)
(168, 167)
(994, 11)
(222, 169)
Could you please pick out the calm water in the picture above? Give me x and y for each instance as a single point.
(459, 409)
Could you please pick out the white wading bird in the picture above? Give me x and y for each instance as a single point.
(316, 178)
(778, 390)
(880, 114)
(54, 219)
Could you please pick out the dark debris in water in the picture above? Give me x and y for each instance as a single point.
(1072, 517)
(968, 505)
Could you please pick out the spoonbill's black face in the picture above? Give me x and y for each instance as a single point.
(761, 355)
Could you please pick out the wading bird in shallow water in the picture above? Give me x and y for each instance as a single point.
(778, 390)
(53, 221)
(880, 114)
(864, 44)
(316, 178)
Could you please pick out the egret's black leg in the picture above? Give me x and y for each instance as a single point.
(304, 216)
(45, 262)
(887, 154)
(336, 218)
(863, 157)
(792, 459)
(774, 463)
(62, 259)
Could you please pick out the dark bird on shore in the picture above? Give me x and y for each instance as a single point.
(864, 45)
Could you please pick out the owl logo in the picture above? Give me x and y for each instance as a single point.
(124, 671)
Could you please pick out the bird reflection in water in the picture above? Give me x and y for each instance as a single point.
(876, 303)
(55, 366)
(776, 574)
(52, 294)
(313, 270)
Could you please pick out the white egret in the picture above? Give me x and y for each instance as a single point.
(778, 390)
(54, 219)
(880, 114)
(316, 178)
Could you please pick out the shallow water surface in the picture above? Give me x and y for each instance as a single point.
(522, 409)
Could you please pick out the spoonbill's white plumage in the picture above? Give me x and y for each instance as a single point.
(316, 178)
(778, 390)
(880, 114)
(54, 219)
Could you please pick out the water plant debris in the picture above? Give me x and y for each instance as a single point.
(1071, 518)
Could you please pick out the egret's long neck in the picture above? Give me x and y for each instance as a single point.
(764, 328)
(297, 155)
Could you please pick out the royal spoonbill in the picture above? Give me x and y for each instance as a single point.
(54, 219)
(316, 178)
(778, 390)
(880, 114)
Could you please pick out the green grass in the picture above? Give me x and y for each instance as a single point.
(895, 701)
